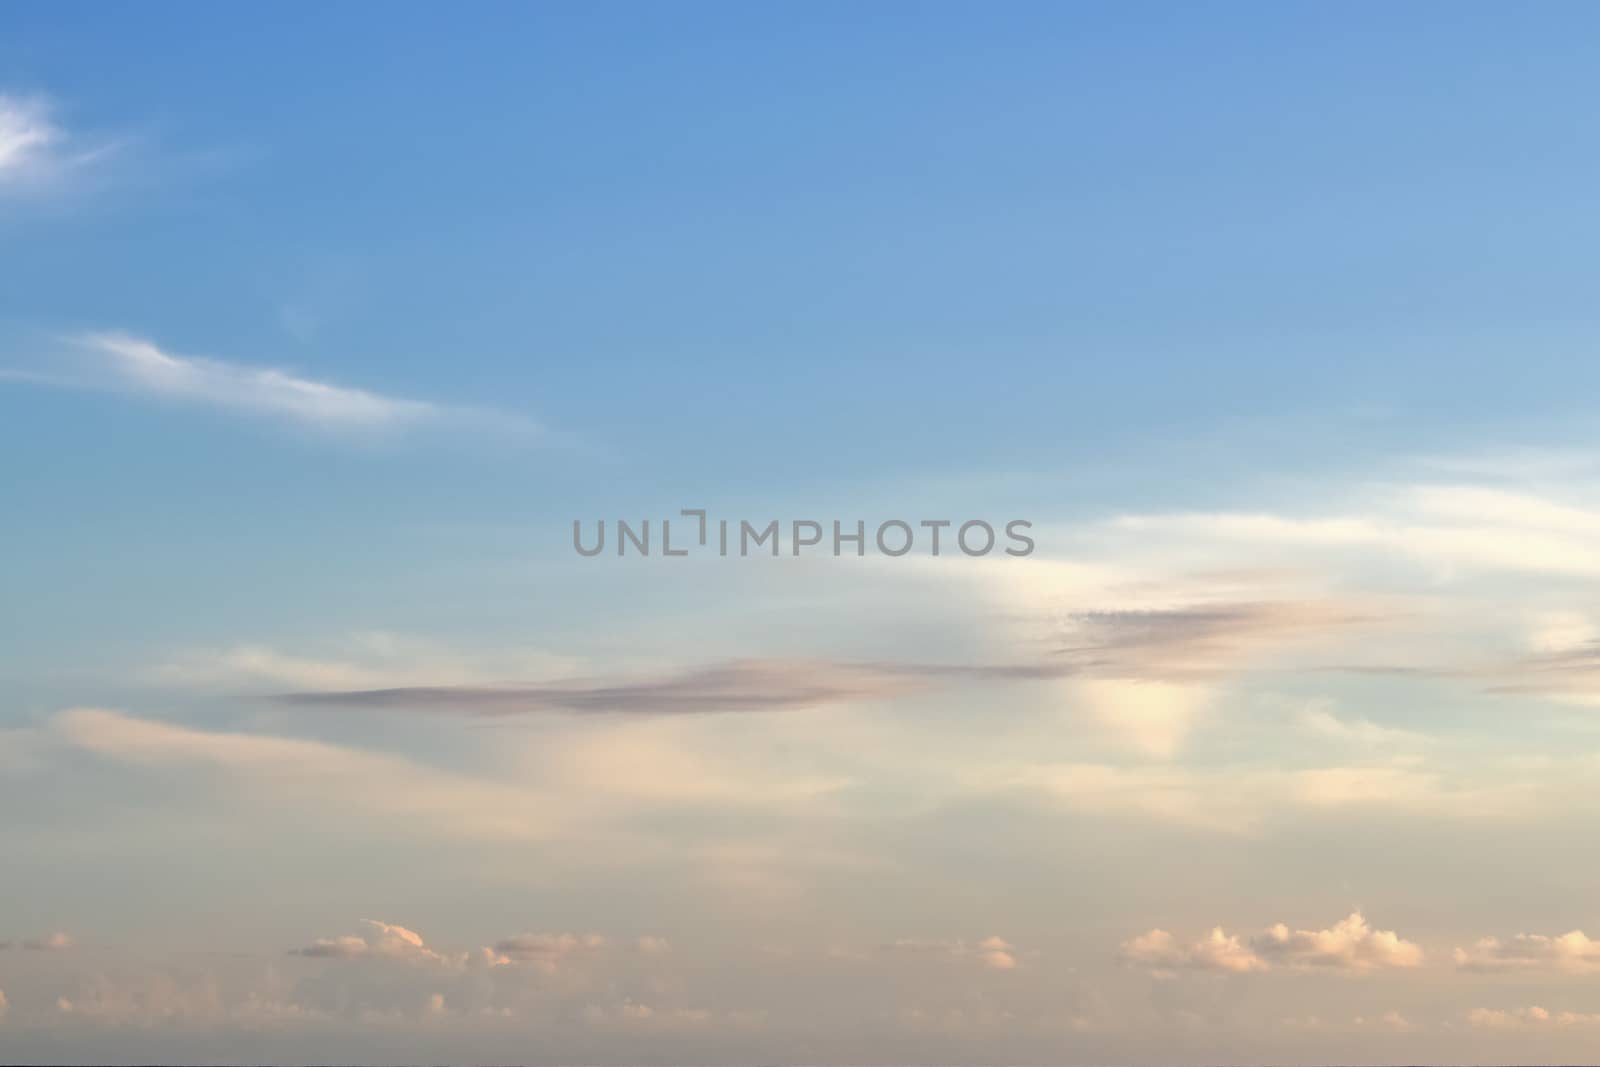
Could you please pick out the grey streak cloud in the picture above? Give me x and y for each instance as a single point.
(1195, 641)
(741, 685)
(1165, 645)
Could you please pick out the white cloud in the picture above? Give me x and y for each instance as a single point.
(139, 365)
(1217, 951)
(122, 362)
(1573, 951)
(38, 155)
(27, 135)
(1349, 945)
(378, 939)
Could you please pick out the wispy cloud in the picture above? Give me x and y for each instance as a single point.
(122, 362)
(743, 685)
(36, 153)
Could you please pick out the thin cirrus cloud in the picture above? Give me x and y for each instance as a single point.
(124, 363)
(32, 147)
(39, 156)
(140, 366)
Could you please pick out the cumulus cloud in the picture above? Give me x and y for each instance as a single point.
(1349, 945)
(379, 939)
(391, 942)
(1217, 951)
(547, 951)
(1573, 951)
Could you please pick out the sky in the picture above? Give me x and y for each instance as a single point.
(321, 333)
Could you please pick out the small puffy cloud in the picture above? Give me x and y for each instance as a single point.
(1573, 951)
(547, 951)
(56, 942)
(1529, 1017)
(651, 945)
(380, 939)
(5, 1005)
(1217, 951)
(994, 953)
(1349, 945)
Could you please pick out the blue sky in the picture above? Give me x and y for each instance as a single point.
(318, 330)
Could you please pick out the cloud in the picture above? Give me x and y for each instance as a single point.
(365, 660)
(390, 942)
(1349, 945)
(1195, 641)
(1217, 951)
(993, 953)
(1319, 720)
(125, 363)
(59, 941)
(317, 774)
(741, 685)
(1534, 1016)
(36, 154)
(1241, 799)
(27, 136)
(379, 939)
(547, 951)
(1573, 951)
(652, 945)
(140, 366)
